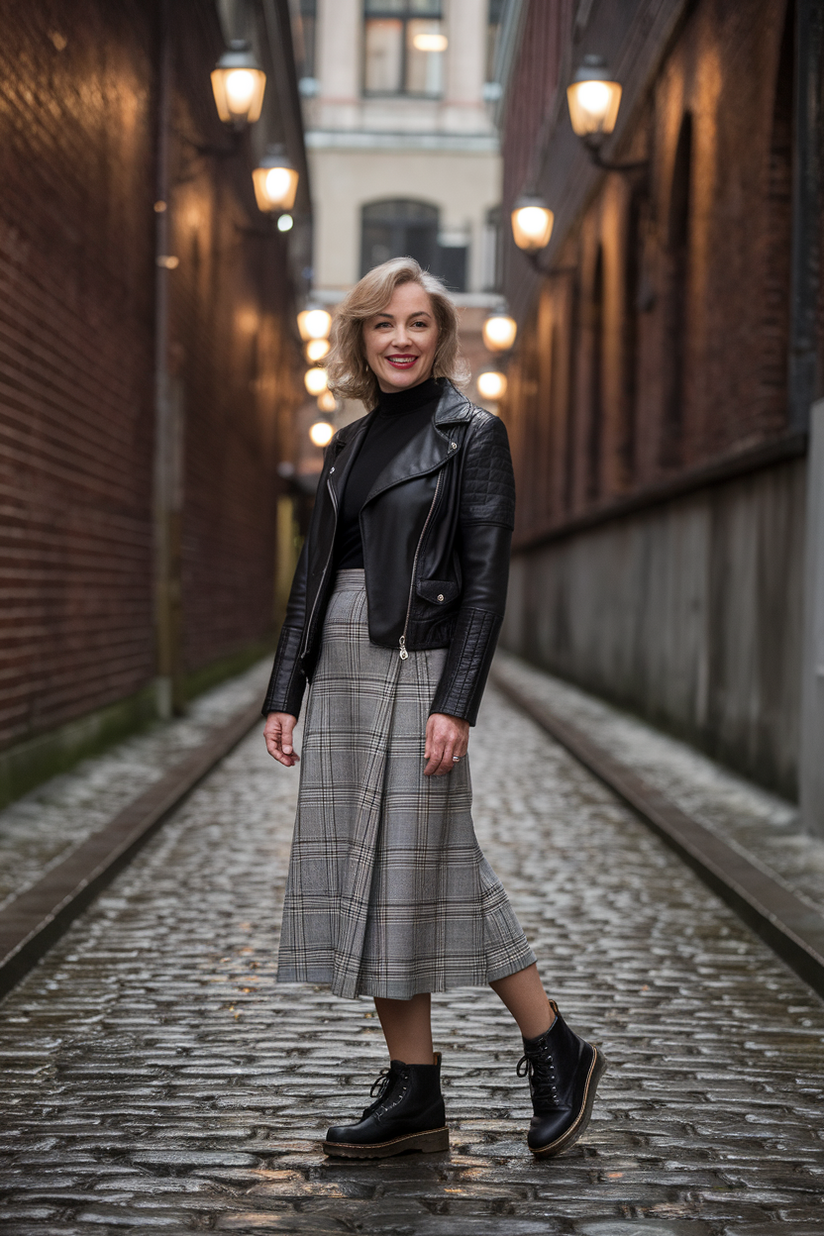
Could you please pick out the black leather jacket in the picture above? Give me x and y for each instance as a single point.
(436, 529)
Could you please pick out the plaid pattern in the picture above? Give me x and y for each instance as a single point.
(388, 892)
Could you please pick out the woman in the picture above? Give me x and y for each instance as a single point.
(393, 617)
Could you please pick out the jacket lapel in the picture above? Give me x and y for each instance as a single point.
(346, 456)
(429, 449)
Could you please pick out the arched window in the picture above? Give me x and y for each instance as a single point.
(678, 233)
(402, 227)
(776, 317)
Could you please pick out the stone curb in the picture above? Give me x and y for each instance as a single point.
(32, 922)
(768, 905)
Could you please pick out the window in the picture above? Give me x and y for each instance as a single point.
(404, 228)
(404, 45)
(305, 46)
(493, 27)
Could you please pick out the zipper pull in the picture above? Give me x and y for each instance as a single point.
(404, 654)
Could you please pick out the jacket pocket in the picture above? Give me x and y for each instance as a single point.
(438, 591)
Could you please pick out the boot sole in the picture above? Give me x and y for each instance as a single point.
(428, 1142)
(596, 1072)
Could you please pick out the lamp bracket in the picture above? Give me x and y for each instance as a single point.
(607, 165)
(532, 258)
(209, 150)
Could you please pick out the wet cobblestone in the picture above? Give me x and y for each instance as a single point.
(43, 827)
(762, 824)
(156, 1079)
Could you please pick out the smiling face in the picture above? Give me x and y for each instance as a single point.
(401, 341)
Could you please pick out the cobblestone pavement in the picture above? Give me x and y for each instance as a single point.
(43, 827)
(764, 825)
(155, 1078)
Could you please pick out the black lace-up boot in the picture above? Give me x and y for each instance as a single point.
(563, 1072)
(407, 1114)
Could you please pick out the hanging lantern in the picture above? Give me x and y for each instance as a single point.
(238, 83)
(492, 385)
(532, 222)
(321, 433)
(316, 349)
(314, 323)
(275, 180)
(315, 380)
(499, 331)
(593, 98)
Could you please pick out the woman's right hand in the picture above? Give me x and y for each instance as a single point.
(278, 735)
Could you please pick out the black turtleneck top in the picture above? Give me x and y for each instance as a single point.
(399, 416)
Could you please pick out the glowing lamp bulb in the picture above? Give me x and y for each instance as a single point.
(321, 433)
(327, 401)
(593, 99)
(314, 324)
(492, 385)
(531, 224)
(238, 84)
(499, 331)
(315, 380)
(316, 349)
(430, 42)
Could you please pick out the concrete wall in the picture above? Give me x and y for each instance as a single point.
(688, 613)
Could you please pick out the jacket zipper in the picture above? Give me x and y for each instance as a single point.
(402, 641)
(325, 569)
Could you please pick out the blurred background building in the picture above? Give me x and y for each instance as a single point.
(402, 145)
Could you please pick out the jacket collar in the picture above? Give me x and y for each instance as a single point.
(427, 451)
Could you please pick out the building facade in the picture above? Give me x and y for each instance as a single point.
(669, 356)
(150, 370)
(403, 149)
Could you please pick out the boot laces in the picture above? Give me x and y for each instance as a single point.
(543, 1080)
(380, 1090)
(381, 1084)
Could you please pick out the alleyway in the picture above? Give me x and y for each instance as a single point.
(157, 1079)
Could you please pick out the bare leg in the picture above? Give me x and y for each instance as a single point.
(407, 1028)
(523, 994)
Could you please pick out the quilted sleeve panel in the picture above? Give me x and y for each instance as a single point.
(288, 682)
(488, 489)
(467, 664)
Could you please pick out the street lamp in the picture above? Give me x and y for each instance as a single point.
(315, 380)
(321, 433)
(238, 83)
(594, 99)
(499, 331)
(532, 222)
(314, 323)
(316, 349)
(275, 180)
(492, 385)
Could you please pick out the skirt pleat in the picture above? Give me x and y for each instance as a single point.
(388, 892)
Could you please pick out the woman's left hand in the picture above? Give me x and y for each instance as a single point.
(447, 739)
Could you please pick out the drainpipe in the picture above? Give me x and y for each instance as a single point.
(805, 412)
(166, 486)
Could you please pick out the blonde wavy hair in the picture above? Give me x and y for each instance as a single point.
(348, 374)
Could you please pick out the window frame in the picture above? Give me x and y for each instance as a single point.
(404, 16)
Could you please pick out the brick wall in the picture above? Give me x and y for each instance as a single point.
(76, 362)
(665, 348)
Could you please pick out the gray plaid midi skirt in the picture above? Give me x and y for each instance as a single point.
(388, 892)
